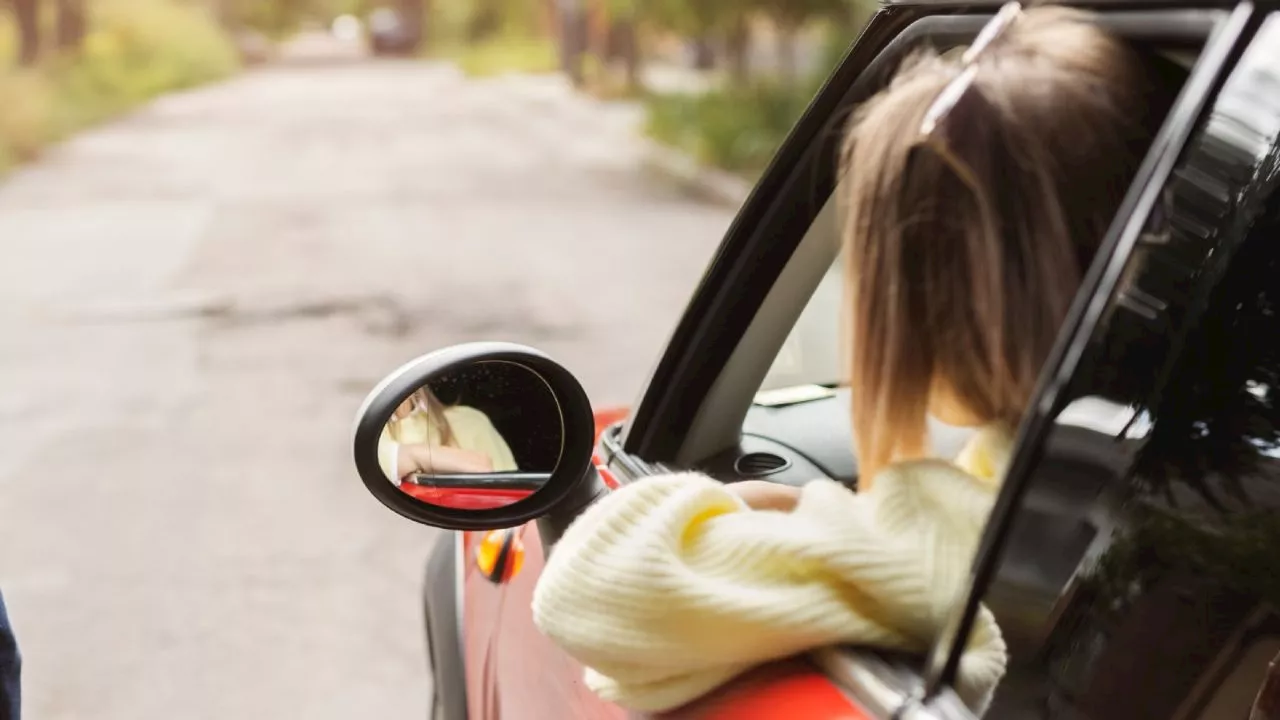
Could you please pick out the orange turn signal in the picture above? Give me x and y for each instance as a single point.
(500, 555)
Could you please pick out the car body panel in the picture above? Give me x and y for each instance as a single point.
(466, 498)
(501, 641)
(788, 689)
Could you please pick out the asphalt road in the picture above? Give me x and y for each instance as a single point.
(194, 300)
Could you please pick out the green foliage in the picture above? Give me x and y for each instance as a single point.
(27, 105)
(8, 41)
(693, 17)
(740, 128)
(452, 24)
(737, 129)
(275, 18)
(491, 37)
(702, 17)
(447, 24)
(508, 55)
(134, 51)
(137, 50)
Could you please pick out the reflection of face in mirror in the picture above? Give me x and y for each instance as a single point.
(482, 436)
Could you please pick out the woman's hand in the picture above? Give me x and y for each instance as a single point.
(765, 495)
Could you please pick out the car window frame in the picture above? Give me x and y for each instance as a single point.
(1232, 33)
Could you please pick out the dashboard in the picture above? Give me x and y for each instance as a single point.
(795, 443)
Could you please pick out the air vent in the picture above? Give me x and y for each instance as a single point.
(757, 464)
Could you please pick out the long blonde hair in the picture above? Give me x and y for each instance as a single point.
(965, 247)
(426, 402)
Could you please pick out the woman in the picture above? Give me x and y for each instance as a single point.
(977, 190)
(424, 436)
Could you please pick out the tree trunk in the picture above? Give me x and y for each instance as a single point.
(485, 22)
(573, 31)
(599, 42)
(71, 25)
(738, 48)
(628, 48)
(704, 56)
(413, 12)
(788, 63)
(28, 16)
(622, 47)
(227, 14)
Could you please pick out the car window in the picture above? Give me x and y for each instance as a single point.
(1141, 576)
(811, 353)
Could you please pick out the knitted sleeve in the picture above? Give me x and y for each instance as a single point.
(475, 432)
(389, 457)
(671, 586)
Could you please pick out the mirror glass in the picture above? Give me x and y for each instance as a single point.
(476, 437)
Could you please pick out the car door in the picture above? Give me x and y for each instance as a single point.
(1133, 562)
(702, 408)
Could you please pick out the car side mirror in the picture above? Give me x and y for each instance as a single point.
(481, 436)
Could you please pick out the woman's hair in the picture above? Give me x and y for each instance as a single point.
(425, 401)
(965, 246)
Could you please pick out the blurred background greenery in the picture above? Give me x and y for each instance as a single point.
(67, 64)
(722, 80)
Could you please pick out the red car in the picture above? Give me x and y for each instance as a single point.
(1132, 557)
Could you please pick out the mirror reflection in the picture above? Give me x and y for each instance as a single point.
(482, 436)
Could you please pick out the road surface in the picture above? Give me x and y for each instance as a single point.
(193, 302)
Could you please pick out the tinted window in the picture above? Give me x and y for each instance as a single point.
(1142, 575)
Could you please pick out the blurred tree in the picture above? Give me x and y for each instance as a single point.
(729, 20)
(738, 50)
(71, 24)
(414, 13)
(790, 16)
(27, 13)
(623, 18)
(485, 21)
(572, 36)
(693, 18)
(624, 45)
(278, 18)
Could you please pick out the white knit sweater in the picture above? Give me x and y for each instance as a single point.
(671, 586)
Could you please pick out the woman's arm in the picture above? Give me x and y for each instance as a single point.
(424, 458)
(765, 495)
(671, 585)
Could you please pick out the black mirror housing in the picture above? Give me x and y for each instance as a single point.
(559, 495)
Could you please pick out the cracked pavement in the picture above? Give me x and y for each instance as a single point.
(195, 299)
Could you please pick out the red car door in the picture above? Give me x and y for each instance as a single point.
(513, 671)
(521, 674)
(513, 668)
(510, 664)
